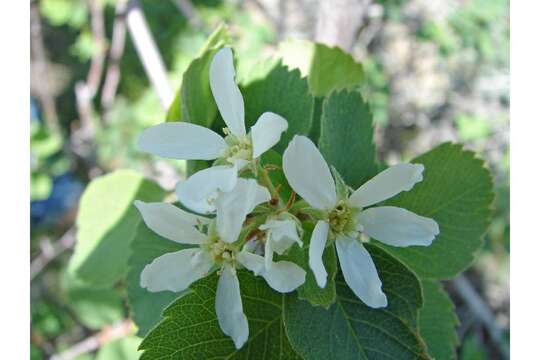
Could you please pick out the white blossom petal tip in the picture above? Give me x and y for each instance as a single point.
(308, 173)
(266, 132)
(282, 276)
(175, 271)
(388, 183)
(180, 140)
(230, 312)
(316, 250)
(171, 222)
(360, 272)
(398, 227)
(226, 93)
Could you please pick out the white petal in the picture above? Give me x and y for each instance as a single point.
(268, 253)
(226, 93)
(308, 174)
(266, 132)
(360, 272)
(171, 222)
(398, 227)
(229, 310)
(282, 234)
(316, 249)
(180, 140)
(200, 190)
(175, 271)
(390, 182)
(240, 163)
(282, 276)
(262, 195)
(233, 207)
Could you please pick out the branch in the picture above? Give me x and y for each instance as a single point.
(94, 342)
(42, 71)
(112, 78)
(86, 90)
(148, 52)
(481, 310)
(98, 58)
(49, 252)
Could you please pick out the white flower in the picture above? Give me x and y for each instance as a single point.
(186, 141)
(309, 175)
(281, 234)
(216, 250)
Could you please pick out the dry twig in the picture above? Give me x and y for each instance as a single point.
(482, 311)
(148, 53)
(94, 342)
(112, 77)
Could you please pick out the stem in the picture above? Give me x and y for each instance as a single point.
(265, 179)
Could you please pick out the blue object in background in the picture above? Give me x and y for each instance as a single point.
(64, 196)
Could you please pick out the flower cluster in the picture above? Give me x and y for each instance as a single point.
(239, 222)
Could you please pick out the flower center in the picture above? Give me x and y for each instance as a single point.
(342, 218)
(220, 251)
(240, 147)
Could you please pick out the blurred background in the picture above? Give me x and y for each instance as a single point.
(102, 70)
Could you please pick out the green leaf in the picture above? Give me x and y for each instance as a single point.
(457, 192)
(437, 321)
(310, 291)
(121, 349)
(197, 103)
(352, 330)
(194, 102)
(146, 307)
(95, 307)
(327, 68)
(175, 109)
(190, 328)
(283, 92)
(346, 140)
(106, 225)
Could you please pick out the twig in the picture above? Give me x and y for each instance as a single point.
(148, 52)
(86, 90)
(482, 311)
(116, 331)
(42, 73)
(112, 77)
(51, 252)
(98, 57)
(188, 10)
(82, 138)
